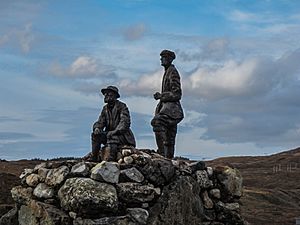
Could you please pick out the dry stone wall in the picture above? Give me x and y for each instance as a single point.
(141, 188)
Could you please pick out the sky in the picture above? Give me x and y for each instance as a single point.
(238, 61)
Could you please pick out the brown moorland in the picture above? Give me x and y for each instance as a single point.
(271, 186)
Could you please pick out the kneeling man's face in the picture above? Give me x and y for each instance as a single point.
(110, 97)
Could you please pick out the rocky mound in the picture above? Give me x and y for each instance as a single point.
(142, 188)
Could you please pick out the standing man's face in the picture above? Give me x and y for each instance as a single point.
(165, 61)
(110, 97)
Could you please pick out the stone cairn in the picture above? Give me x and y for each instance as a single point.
(141, 188)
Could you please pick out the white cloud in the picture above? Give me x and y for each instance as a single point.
(4, 39)
(192, 118)
(240, 16)
(145, 85)
(82, 67)
(26, 38)
(22, 38)
(231, 79)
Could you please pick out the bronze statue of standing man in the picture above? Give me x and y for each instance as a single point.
(168, 112)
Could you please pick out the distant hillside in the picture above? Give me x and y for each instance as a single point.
(271, 185)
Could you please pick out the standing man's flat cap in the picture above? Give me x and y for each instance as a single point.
(168, 53)
(111, 88)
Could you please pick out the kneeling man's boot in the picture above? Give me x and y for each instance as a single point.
(113, 149)
(95, 154)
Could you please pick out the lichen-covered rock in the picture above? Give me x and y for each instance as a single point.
(203, 179)
(210, 171)
(38, 213)
(208, 203)
(42, 172)
(139, 215)
(21, 195)
(158, 171)
(228, 216)
(182, 166)
(128, 160)
(198, 165)
(80, 169)
(42, 190)
(136, 192)
(232, 206)
(106, 171)
(25, 173)
(231, 181)
(116, 220)
(131, 175)
(57, 175)
(87, 196)
(41, 165)
(126, 152)
(215, 193)
(32, 180)
(179, 204)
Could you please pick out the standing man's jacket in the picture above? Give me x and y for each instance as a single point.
(118, 118)
(169, 103)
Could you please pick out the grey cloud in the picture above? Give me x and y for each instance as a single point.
(134, 32)
(209, 50)
(67, 116)
(268, 116)
(9, 119)
(92, 88)
(14, 136)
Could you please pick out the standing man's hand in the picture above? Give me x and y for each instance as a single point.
(97, 131)
(157, 95)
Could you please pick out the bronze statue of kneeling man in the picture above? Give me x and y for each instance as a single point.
(112, 128)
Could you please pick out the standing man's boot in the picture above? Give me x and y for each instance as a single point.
(169, 151)
(159, 137)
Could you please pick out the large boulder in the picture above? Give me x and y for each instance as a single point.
(179, 204)
(57, 175)
(136, 192)
(106, 171)
(87, 196)
(80, 169)
(158, 171)
(230, 181)
(38, 213)
(42, 190)
(131, 175)
(139, 215)
(21, 195)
